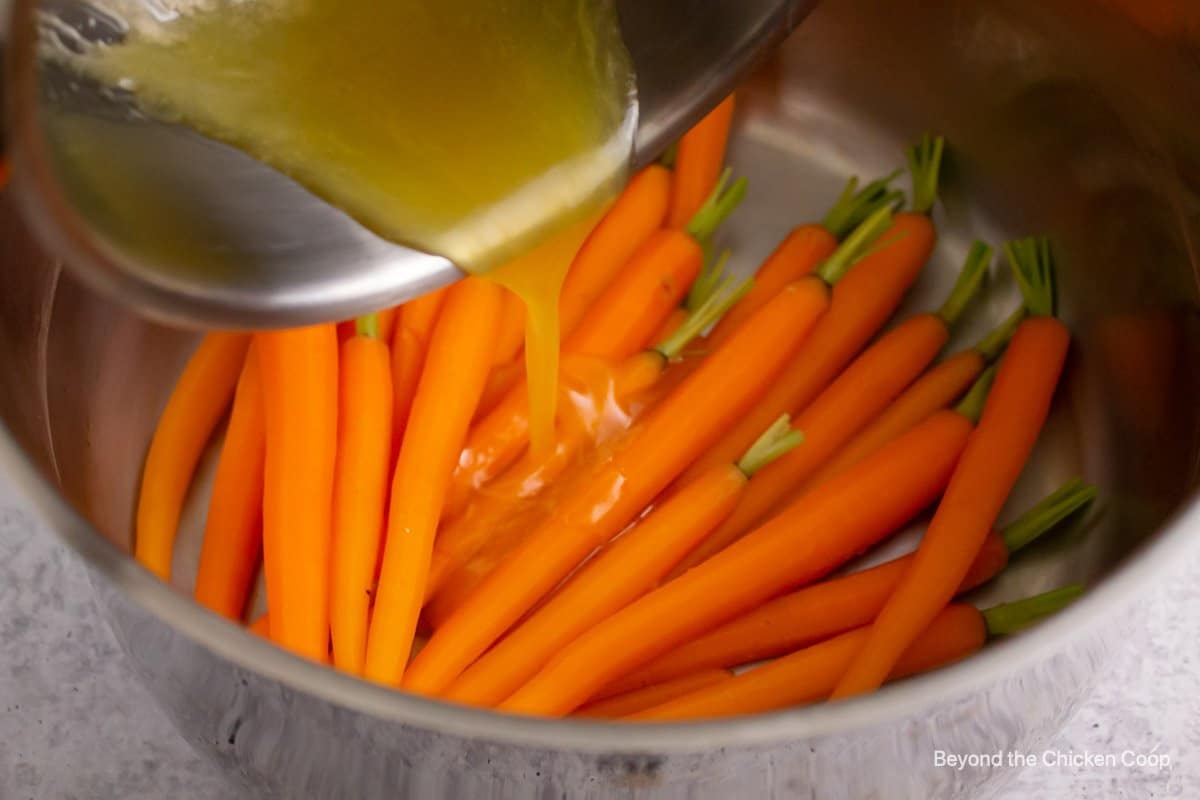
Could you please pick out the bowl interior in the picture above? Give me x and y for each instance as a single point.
(1045, 138)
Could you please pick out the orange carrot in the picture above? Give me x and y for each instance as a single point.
(1012, 418)
(510, 334)
(804, 248)
(671, 323)
(605, 331)
(460, 353)
(830, 607)
(932, 392)
(299, 386)
(385, 323)
(410, 339)
(618, 325)
(631, 567)
(808, 675)
(860, 306)
(233, 530)
(680, 428)
(871, 381)
(458, 541)
(651, 696)
(365, 411)
(262, 626)
(698, 162)
(813, 536)
(637, 213)
(500, 381)
(196, 405)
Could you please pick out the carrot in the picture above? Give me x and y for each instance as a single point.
(933, 391)
(233, 528)
(510, 335)
(604, 331)
(808, 675)
(861, 304)
(649, 697)
(262, 626)
(299, 386)
(804, 248)
(500, 381)
(631, 567)
(196, 405)
(617, 326)
(813, 536)
(365, 410)
(637, 213)
(385, 324)
(460, 353)
(1012, 418)
(839, 604)
(860, 393)
(698, 162)
(410, 339)
(681, 427)
(457, 542)
(671, 323)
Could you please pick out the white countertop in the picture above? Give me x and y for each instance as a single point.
(75, 724)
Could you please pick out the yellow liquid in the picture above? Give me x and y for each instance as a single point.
(491, 132)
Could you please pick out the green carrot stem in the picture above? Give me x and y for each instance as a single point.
(1011, 617)
(971, 406)
(774, 442)
(855, 205)
(993, 344)
(719, 301)
(1032, 262)
(970, 278)
(855, 245)
(1053, 509)
(367, 325)
(720, 203)
(925, 164)
(707, 281)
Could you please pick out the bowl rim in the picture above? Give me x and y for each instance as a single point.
(235, 644)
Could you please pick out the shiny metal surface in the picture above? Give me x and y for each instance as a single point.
(1064, 118)
(244, 245)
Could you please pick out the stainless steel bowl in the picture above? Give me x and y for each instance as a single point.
(1065, 118)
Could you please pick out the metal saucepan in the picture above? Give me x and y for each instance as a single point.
(1065, 117)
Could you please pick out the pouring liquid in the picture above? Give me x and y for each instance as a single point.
(493, 132)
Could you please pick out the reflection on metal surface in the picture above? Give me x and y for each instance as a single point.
(238, 244)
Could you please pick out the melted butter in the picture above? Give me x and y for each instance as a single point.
(491, 132)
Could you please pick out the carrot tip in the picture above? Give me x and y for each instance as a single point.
(720, 203)
(854, 205)
(971, 406)
(720, 300)
(775, 441)
(367, 325)
(855, 246)
(993, 344)
(1047, 514)
(1011, 617)
(924, 164)
(970, 278)
(1032, 262)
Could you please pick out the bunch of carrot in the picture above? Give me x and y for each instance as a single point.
(720, 447)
